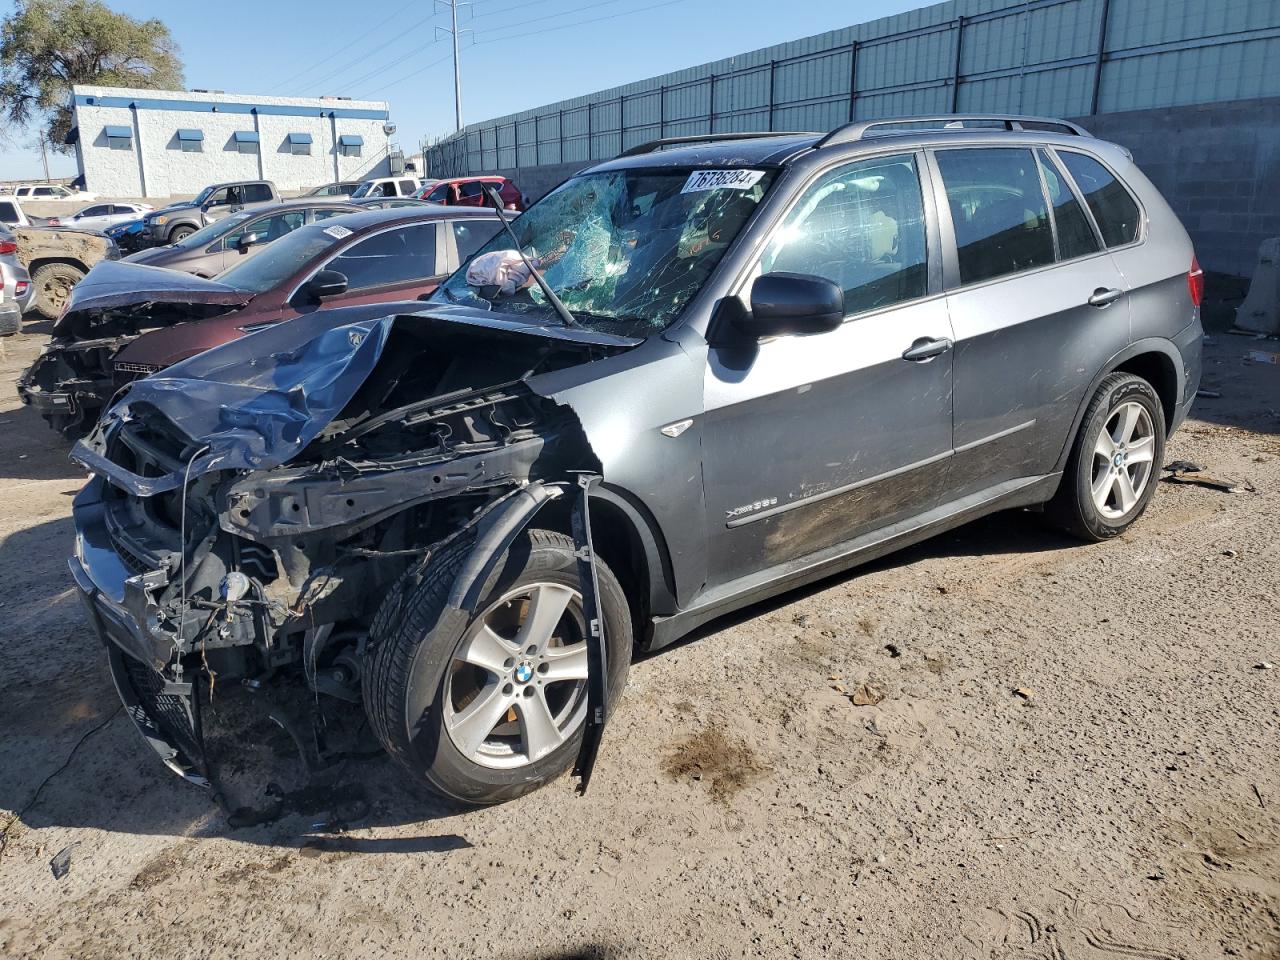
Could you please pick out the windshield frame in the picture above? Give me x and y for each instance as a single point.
(772, 174)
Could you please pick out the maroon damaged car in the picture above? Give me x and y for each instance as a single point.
(125, 320)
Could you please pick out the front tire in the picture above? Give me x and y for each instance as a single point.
(486, 710)
(53, 283)
(1111, 474)
(180, 233)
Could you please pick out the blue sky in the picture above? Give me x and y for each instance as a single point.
(520, 53)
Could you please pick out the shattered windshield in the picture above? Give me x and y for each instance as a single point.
(625, 250)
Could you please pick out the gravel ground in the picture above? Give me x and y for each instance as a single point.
(1075, 757)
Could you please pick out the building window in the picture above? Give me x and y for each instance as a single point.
(246, 141)
(300, 144)
(350, 145)
(119, 138)
(191, 141)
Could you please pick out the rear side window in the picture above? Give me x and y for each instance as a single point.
(1112, 206)
(406, 187)
(472, 188)
(256, 193)
(862, 227)
(8, 212)
(397, 256)
(998, 211)
(1075, 236)
(471, 235)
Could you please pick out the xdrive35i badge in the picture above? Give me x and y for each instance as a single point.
(750, 507)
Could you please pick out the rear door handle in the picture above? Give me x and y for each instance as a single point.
(926, 348)
(1104, 297)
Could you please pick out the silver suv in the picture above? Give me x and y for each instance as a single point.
(687, 379)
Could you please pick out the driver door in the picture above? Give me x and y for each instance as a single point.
(811, 441)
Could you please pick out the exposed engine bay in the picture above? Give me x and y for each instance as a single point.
(322, 474)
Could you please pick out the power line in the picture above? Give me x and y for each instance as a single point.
(357, 61)
(408, 76)
(580, 23)
(562, 13)
(320, 61)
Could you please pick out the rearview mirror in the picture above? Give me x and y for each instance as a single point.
(247, 240)
(792, 303)
(326, 283)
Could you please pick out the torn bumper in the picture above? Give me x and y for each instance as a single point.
(122, 615)
(40, 389)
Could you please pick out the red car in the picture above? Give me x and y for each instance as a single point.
(128, 320)
(469, 192)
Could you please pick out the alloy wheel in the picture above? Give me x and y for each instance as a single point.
(516, 689)
(1122, 460)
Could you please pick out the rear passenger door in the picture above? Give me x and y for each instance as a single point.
(1035, 300)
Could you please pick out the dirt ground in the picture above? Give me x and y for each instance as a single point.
(1075, 757)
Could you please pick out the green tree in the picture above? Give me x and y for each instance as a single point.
(48, 45)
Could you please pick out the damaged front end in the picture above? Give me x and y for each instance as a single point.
(251, 507)
(116, 303)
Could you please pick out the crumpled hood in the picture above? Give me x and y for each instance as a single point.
(255, 402)
(252, 403)
(114, 283)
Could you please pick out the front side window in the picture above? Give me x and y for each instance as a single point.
(471, 235)
(1075, 236)
(102, 210)
(1115, 210)
(210, 233)
(862, 227)
(625, 250)
(998, 211)
(218, 198)
(44, 192)
(290, 255)
(266, 228)
(401, 255)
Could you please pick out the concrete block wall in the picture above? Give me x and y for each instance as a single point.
(156, 166)
(1218, 165)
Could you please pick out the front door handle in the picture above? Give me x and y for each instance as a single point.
(1104, 297)
(926, 348)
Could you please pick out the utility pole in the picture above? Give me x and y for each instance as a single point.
(44, 155)
(453, 31)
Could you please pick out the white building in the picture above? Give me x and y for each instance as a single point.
(161, 143)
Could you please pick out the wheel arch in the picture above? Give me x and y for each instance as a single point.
(39, 262)
(1155, 360)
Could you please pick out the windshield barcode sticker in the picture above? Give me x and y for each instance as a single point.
(722, 180)
(337, 231)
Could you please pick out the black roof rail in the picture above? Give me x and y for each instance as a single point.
(653, 145)
(853, 132)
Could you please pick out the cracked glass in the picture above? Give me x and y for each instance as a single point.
(625, 250)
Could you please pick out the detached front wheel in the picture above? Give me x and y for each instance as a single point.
(486, 710)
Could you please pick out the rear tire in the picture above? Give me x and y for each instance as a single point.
(1115, 461)
(53, 283)
(462, 714)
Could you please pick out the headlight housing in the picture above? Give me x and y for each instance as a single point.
(159, 221)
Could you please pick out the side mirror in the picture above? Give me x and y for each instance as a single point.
(326, 283)
(783, 304)
(247, 240)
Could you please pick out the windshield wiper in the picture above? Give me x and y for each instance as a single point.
(565, 316)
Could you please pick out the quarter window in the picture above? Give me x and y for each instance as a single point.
(397, 256)
(1075, 236)
(1112, 206)
(862, 227)
(998, 211)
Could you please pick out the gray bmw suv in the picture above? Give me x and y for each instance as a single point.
(687, 379)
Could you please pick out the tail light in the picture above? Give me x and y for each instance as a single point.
(1195, 282)
(8, 246)
(20, 288)
(54, 222)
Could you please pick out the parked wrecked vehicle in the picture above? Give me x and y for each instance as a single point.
(700, 376)
(15, 285)
(128, 320)
(179, 220)
(226, 242)
(472, 192)
(57, 258)
(102, 216)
